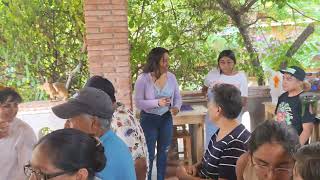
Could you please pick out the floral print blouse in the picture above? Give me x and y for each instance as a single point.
(128, 128)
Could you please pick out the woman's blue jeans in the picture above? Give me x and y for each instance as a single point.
(157, 129)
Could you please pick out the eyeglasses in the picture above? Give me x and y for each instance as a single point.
(279, 171)
(29, 171)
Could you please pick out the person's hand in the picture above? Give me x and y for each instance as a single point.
(181, 172)
(164, 102)
(192, 170)
(4, 129)
(174, 111)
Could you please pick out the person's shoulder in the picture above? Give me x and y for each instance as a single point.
(124, 114)
(241, 135)
(213, 73)
(243, 160)
(113, 143)
(142, 76)
(241, 74)
(171, 75)
(241, 164)
(24, 127)
(118, 142)
(283, 95)
(121, 108)
(245, 136)
(25, 130)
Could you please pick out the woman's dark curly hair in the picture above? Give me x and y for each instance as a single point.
(153, 61)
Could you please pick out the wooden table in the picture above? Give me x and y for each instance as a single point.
(194, 117)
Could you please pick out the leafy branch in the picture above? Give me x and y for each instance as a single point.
(302, 13)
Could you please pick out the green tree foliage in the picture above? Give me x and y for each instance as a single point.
(299, 14)
(167, 23)
(40, 39)
(173, 24)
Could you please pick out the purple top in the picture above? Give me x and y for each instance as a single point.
(145, 97)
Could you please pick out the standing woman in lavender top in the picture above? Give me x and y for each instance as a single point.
(157, 96)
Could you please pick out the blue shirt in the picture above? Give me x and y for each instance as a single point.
(119, 164)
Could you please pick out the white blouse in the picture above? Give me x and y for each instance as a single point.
(16, 150)
(239, 80)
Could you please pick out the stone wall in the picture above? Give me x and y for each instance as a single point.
(39, 116)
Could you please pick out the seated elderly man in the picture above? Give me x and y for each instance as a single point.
(16, 137)
(90, 111)
(126, 126)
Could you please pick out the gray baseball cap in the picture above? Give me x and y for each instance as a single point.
(88, 100)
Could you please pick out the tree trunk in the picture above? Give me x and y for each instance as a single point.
(298, 43)
(253, 54)
(300, 40)
(239, 21)
(248, 44)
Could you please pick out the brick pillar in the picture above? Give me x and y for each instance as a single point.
(107, 43)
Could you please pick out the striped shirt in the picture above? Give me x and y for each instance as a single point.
(219, 160)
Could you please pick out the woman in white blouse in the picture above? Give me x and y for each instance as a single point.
(16, 137)
(225, 73)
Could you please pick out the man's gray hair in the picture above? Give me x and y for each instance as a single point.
(104, 123)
